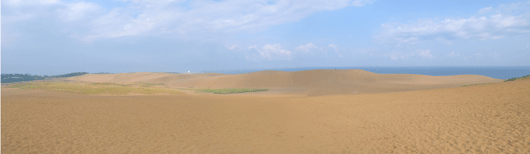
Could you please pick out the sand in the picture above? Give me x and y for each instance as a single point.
(311, 82)
(489, 118)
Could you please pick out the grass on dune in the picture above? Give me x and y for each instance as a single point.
(476, 84)
(95, 88)
(513, 79)
(144, 84)
(229, 90)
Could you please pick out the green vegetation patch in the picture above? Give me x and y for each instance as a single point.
(513, 79)
(476, 84)
(9, 78)
(94, 88)
(144, 84)
(229, 90)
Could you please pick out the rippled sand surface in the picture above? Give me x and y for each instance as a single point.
(490, 118)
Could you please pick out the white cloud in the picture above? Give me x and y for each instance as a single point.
(399, 55)
(310, 46)
(453, 54)
(333, 46)
(306, 48)
(31, 2)
(495, 26)
(234, 46)
(18, 10)
(359, 3)
(425, 53)
(484, 10)
(78, 10)
(178, 18)
(273, 52)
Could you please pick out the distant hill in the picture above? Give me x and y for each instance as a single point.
(8, 78)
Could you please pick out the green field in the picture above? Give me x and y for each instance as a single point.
(97, 88)
(229, 90)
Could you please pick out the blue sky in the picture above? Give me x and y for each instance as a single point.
(57, 36)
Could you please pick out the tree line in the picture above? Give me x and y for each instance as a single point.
(8, 78)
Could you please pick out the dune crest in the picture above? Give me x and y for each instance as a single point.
(310, 82)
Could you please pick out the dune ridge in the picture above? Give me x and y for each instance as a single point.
(310, 82)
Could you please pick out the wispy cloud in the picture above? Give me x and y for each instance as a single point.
(484, 10)
(312, 47)
(453, 54)
(425, 53)
(359, 3)
(506, 20)
(399, 55)
(306, 48)
(234, 46)
(31, 2)
(178, 18)
(333, 46)
(273, 52)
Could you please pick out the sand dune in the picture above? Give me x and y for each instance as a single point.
(311, 82)
(491, 118)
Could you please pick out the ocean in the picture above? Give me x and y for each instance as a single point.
(498, 72)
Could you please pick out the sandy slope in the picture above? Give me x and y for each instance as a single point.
(490, 118)
(311, 82)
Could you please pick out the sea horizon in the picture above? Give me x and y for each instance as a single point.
(498, 72)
